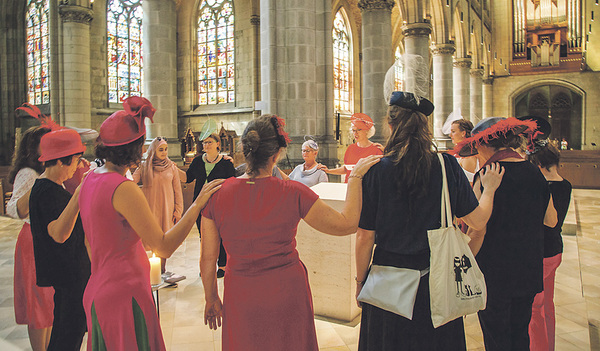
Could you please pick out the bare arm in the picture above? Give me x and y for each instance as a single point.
(551, 216)
(23, 205)
(325, 219)
(208, 261)
(339, 170)
(365, 240)
(60, 229)
(129, 201)
(283, 175)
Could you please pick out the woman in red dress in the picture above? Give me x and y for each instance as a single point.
(267, 302)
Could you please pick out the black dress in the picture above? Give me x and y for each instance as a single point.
(66, 266)
(401, 241)
(197, 171)
(511, 256)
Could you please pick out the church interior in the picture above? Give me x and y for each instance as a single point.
(313, 63)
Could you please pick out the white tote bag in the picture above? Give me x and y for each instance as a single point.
(456, 284)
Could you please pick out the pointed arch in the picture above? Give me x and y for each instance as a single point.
(38, 52)
(460, 39)
(342, 62)
(124, 49)
(440, 23)
(216, 52)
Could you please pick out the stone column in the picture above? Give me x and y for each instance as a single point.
(76, 64)
(416, 40)
(442, 89)
(476, 89)
(487, 98)
(160, 70)
(296, 72)
(377, 58)
(461, 85)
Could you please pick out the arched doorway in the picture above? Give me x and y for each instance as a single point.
(560, 105)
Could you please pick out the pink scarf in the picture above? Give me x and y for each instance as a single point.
(153, 164)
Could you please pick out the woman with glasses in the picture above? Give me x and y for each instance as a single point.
(308, 172)
(161, 187)
(362, 129)
(207, 167)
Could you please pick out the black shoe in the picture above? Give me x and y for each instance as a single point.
(220, 273)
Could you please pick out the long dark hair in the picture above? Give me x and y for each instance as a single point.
(26, 155)
(410, 148)
(260, 141)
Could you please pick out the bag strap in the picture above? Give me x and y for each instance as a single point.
(446, 210)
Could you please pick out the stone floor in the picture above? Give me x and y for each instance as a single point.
(181, 309)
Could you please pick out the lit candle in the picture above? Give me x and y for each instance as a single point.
(154, 270)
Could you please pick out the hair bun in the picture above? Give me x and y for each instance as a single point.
(253, 141)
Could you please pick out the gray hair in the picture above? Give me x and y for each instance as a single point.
(311, 144)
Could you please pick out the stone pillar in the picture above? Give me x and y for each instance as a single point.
(160, 70)
(461, 85)
(377, 58)
(476, 91)
(442, 89)
(76, 64)
(296, 72)
(487, 98)
(416, 40)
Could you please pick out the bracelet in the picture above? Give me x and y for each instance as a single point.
(361, 282)
(355, 176)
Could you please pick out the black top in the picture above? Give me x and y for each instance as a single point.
(561, 196)
(511, 255)
(56, 264)
(387, 213)
(197, 171)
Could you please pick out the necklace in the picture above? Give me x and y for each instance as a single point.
(213, 161)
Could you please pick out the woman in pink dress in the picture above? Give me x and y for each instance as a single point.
(34, 305)
(118, 300)
(267, 302)
(161, 186)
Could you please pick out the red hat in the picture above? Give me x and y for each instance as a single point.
(362, 121)
(60, 143)
(125, 126)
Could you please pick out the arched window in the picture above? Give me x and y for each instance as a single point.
(38, 52)
(216, 60)
(124, 47)
(399, 71)
(342, 53)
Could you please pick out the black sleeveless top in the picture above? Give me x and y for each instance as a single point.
(511, 256)
(561, 196)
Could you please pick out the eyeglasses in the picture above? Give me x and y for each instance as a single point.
(208, 142)
(161, 138)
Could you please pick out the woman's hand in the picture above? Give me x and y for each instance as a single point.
(358, 289)
(491, 177)
(322, 167)
(213, 313)
(363, 165)
(207, 191)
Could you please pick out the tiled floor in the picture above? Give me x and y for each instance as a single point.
(577, 292)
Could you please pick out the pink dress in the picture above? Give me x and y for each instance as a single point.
(34, 305)
(164, 195)
(118, 300)
(267, 303)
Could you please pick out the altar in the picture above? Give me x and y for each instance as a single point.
(330, 261)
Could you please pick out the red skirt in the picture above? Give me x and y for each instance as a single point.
(34, 305)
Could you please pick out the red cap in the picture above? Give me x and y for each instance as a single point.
(125, 126)
(60, 143)
(361, 121)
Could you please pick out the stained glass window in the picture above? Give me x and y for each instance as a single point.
(38, 52)
(216, 59)
(399, 71)
(342, 52)
(124, 46)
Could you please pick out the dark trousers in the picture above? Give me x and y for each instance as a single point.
(381, 330)
(505, 323)
(222, 261)
(69, 324)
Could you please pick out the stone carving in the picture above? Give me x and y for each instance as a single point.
(376, 4)
(75, 13)
(462, 63)
(255, 20)
(477, 73)
(443, 49)
(416, 29)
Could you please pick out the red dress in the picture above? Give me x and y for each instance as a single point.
(267, 303)
(34, 305)
(118, 300)
(355, 153)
